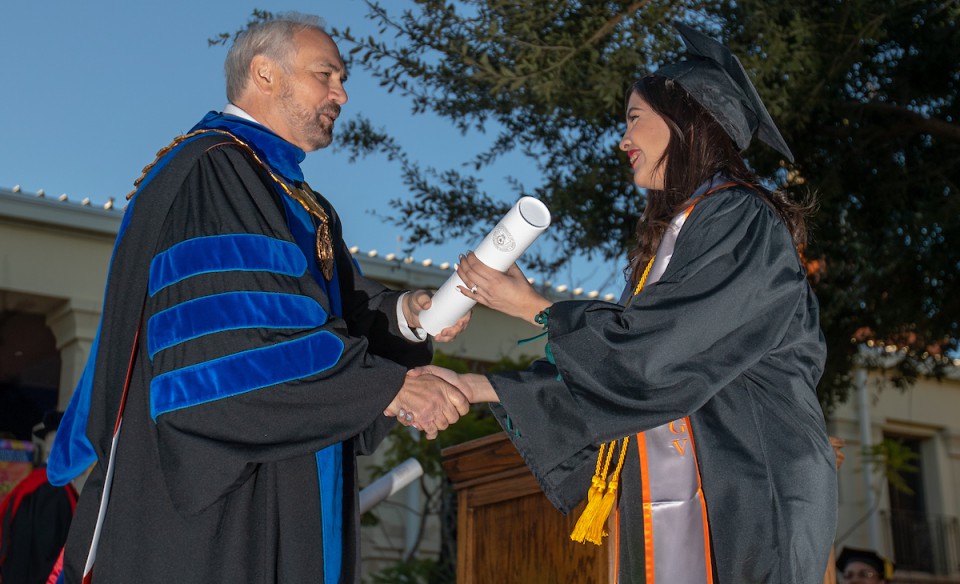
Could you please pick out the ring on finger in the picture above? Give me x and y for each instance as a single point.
(408, 416)
(473, 289)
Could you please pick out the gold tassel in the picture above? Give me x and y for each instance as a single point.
(596, 531)
(594, 498)
(598, 485)
(601, 498)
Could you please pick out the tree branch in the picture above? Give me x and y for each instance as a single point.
(919, 123)
(601, 32)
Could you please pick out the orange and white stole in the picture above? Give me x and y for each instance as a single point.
(675, 525)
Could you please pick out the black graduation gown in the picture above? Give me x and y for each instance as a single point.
(31, 538)
(730, 337)
(216, 484)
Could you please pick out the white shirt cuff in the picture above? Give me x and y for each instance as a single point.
(414, 335)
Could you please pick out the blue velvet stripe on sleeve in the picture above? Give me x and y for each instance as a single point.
(72, 452)
(242, 372)
(231, 311)
(222, 253)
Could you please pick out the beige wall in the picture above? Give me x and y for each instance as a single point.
(930, 411)
(53, 262)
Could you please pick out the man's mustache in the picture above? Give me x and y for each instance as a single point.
(333, 110)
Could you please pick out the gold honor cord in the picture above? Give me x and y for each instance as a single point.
(303, 195)
(603, 493)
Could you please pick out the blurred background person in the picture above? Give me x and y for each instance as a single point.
(35, 516)
(860, 566)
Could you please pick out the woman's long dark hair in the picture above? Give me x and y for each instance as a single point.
(698, 149)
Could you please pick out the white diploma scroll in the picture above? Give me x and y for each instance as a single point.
(499, 250)
(401, 476)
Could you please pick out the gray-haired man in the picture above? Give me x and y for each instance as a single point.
(263, 362)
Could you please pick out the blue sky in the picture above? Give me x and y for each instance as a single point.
(95, 88)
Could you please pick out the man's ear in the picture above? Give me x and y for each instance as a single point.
(264, 74)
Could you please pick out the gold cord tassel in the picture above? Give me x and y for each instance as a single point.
(595, 532)
(594, 497)
(590, 525)
(602, 496)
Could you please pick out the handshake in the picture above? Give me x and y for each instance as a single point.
(432, 398)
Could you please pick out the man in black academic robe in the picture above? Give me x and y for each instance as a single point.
(263, 361)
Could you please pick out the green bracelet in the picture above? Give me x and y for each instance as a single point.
(541, 318)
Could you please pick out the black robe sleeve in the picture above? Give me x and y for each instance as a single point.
(370, 311)
(727, 298)
(332, 388)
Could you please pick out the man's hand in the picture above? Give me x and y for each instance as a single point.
(476, 388)
(419, 300)
(428, 403)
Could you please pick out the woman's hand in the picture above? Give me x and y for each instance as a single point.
(476, 388)
(509, 293)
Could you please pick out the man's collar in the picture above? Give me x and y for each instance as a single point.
(233, 110)
(282, 156)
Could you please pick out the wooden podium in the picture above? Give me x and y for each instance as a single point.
(507, 530)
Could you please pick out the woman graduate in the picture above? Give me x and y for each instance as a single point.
(689, 409)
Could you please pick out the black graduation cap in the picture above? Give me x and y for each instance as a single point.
(49, 423)
(882, 565)
(715, 78)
